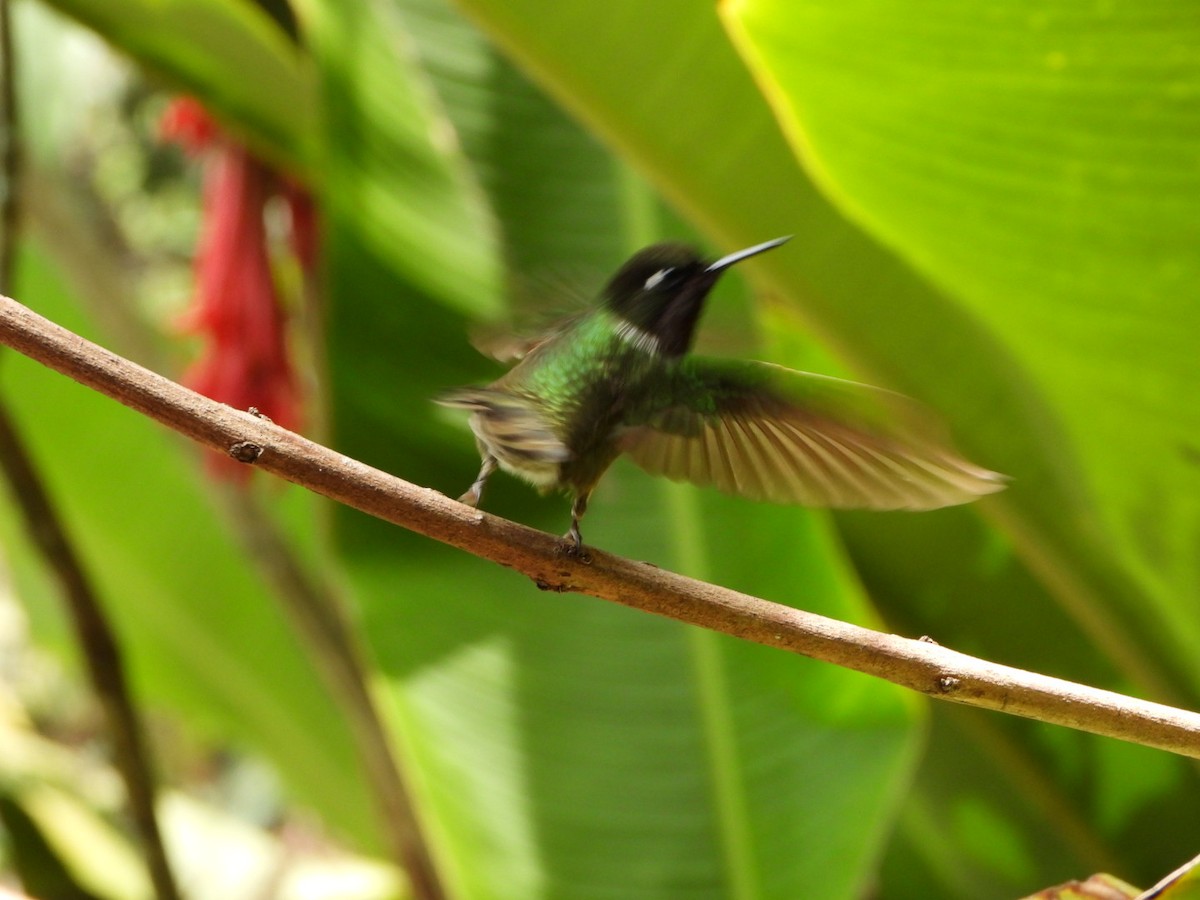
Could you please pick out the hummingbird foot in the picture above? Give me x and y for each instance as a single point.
(475, 493)
(573, 539)
(572, 546)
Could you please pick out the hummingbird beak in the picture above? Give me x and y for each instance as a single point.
(726, 261)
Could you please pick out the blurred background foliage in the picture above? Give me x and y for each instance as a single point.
(994, 210)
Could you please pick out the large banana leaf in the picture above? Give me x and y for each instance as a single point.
(570, 747)
(1073, 134)
(1031, 255)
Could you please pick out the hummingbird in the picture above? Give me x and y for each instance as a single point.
(619, 379)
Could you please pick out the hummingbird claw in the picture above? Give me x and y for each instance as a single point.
(573, 540)
(475, 493)
(573, 547)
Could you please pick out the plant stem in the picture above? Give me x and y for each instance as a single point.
(920, 665)
(101, 652)
(333, 647)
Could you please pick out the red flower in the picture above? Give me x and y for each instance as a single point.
(186, 123)
(237, 308)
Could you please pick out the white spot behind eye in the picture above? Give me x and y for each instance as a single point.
(656, 279)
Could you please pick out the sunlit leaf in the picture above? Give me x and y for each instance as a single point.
(231, 54)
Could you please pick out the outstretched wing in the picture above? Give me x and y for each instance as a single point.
(770, 433)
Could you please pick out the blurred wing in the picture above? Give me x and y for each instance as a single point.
(512, 341)
(769, 433)
(506, 345)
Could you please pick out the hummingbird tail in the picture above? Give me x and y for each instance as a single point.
(511, 430)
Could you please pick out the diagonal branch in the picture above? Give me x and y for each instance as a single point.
(919, 665)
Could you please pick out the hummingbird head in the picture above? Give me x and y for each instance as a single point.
(659, 293)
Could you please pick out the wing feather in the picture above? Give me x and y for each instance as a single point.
(718, 472)
(847, 472)
(780, 472)
(799, 473)
(811, 462)
(769, 433)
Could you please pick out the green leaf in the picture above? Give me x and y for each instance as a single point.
(1033, 161)
(199, 628)
(678, 105)
(1020, 177)
(560, 743)
(227, 52)
(35, 859)
(391, 166)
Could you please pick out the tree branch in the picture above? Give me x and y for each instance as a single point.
(919, 665)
